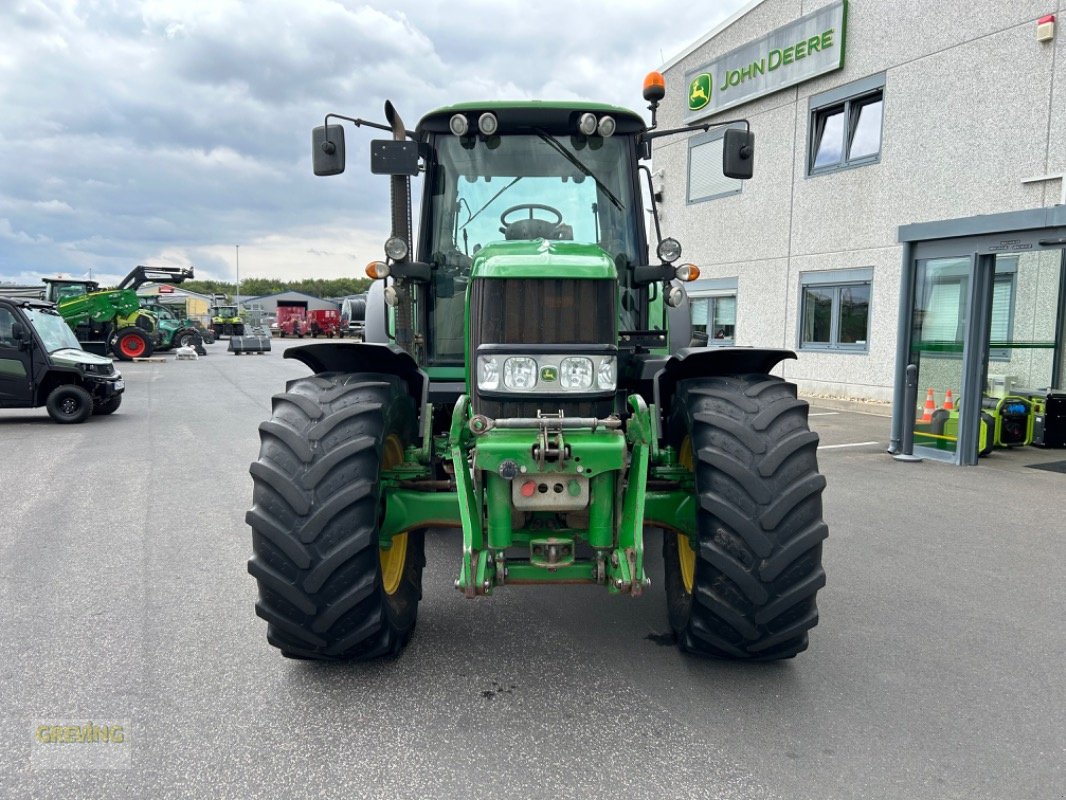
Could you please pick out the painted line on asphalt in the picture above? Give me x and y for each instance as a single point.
(850, 444)
(822, 413)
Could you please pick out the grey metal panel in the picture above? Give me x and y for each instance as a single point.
(982, 224)
(903, 336)
(711, 285)
(834, 276)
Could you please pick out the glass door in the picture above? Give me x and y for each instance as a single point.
(938, 339)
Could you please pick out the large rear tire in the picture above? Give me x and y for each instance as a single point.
(326, 590)
(746, 590)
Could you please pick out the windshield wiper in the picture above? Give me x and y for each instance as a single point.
(554, 144)
(491, 200)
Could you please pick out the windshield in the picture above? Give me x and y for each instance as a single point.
(572, 188)
(522, 187)
(54, 332)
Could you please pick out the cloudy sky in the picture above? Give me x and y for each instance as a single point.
(169, 131)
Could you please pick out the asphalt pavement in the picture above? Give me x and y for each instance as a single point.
(936, 670)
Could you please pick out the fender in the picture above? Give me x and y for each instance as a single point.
(364, 357)
(703, 362)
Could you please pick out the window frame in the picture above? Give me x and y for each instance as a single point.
(849, 100)
(837, 280)
(697, 141)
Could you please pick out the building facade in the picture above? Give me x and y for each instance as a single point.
(883, 129)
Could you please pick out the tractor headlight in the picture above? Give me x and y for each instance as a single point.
(520, 373)
(547, 373)
(605, 373)
(575, 373)
(488, 372)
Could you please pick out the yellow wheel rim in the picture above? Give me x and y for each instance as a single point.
(394, 557)
(686, 556)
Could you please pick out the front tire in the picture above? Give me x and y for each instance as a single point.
(326, 590)
(747, 589)
(69, 404)
(188, 337)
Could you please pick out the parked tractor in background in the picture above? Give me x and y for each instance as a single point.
(226, 321)
(174, 331)
(541, 395)
(112, 320)
(324, 322)
(292, 319)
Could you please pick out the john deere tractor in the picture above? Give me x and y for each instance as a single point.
(534, 386)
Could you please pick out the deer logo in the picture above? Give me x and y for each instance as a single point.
(699, 91)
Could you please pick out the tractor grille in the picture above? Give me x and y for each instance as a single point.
(541, 311)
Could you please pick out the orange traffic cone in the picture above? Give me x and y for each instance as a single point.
(949, 402)
(930, 407)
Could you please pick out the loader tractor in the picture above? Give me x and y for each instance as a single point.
(112, 320)
(533, 386)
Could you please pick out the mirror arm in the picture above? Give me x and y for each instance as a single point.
(647, 136)
(359, 122)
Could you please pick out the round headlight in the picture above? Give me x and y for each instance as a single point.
(669, 250)
(606, 127)
(391, 298)
(458, 125)
(587, 123)
(396, 248)
(675, 295)
(488, 124)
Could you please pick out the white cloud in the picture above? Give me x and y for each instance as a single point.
(174, 128)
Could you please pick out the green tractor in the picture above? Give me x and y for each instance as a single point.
(533, 384)
(226, 321)
(174, 331)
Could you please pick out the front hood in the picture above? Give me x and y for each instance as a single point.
(70, 357)
(543, 258)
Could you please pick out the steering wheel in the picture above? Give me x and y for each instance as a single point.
(531, 228)
(531, 207)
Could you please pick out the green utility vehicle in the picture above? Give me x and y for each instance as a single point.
(226, 321)
(538, 391)
(42, 364)
(112, 319)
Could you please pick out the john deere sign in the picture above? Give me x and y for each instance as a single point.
(811, 46)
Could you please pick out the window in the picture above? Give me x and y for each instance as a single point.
(713, 306)
(835, 310)
(705, 178)
(845, 126)
(715, 317)
(944, 320)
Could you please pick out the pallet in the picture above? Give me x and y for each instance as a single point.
(153, 360)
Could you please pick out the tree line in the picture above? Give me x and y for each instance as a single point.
(255, 287)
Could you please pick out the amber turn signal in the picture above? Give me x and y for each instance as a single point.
(687, 272)
(377, 269)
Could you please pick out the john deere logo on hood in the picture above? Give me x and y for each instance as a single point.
(699, 91)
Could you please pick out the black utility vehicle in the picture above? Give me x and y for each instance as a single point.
(42, 364)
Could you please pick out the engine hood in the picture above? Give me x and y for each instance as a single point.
(72, 357)
(543, 258)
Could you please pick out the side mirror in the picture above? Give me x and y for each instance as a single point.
(327, 149)
(391, 157)
(18, 331)
(738, 154)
